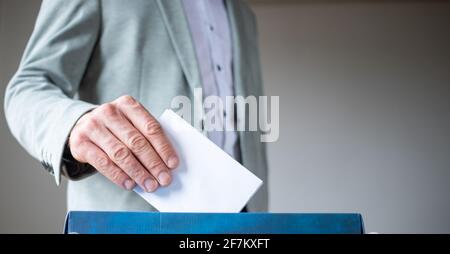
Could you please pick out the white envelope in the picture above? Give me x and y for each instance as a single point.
(207, 179)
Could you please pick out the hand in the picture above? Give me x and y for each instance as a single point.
(125, 143)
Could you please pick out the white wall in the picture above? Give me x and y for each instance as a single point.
(364, 92)
(365, 111)
(30, 201)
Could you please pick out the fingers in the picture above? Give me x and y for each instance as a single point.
(87, 152)
(124, 142)
(121, 155)
(150, 128)
(116, 122)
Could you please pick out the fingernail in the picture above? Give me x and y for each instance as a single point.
(150, 185)
(164, 178)
(172, 162)
(129, 184)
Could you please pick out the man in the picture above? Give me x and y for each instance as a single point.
(95, 74)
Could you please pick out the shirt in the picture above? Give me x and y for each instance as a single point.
(211, 36)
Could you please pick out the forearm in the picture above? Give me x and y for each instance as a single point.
(39, 105)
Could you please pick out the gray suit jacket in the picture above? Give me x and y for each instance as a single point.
(87, 52)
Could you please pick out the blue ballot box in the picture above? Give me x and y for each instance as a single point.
(211, 223)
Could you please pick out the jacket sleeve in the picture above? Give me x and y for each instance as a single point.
(39, 100)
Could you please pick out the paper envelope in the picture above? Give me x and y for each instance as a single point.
(207, 179)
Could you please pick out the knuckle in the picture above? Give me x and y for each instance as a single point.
(140, 175)
(120, 153)
(89, 124)
(126, 99)
(107, 109)
(137, 143)
(137, 174)
(154, 165)
(116, 176)
(102, 162)
(75, 138)
(165, 149)
(153, 128)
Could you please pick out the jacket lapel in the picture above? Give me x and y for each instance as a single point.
(237, 33)
(178, 28)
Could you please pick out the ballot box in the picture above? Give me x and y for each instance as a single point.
(84, 222)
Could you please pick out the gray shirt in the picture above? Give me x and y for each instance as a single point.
(211, 35)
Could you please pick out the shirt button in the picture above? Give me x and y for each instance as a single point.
(219, 68)
(211, 28)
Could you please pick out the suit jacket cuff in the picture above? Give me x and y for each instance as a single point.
(61, 130)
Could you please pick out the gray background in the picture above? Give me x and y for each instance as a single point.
(364, 89)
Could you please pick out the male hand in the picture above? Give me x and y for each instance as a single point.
(125, 143)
